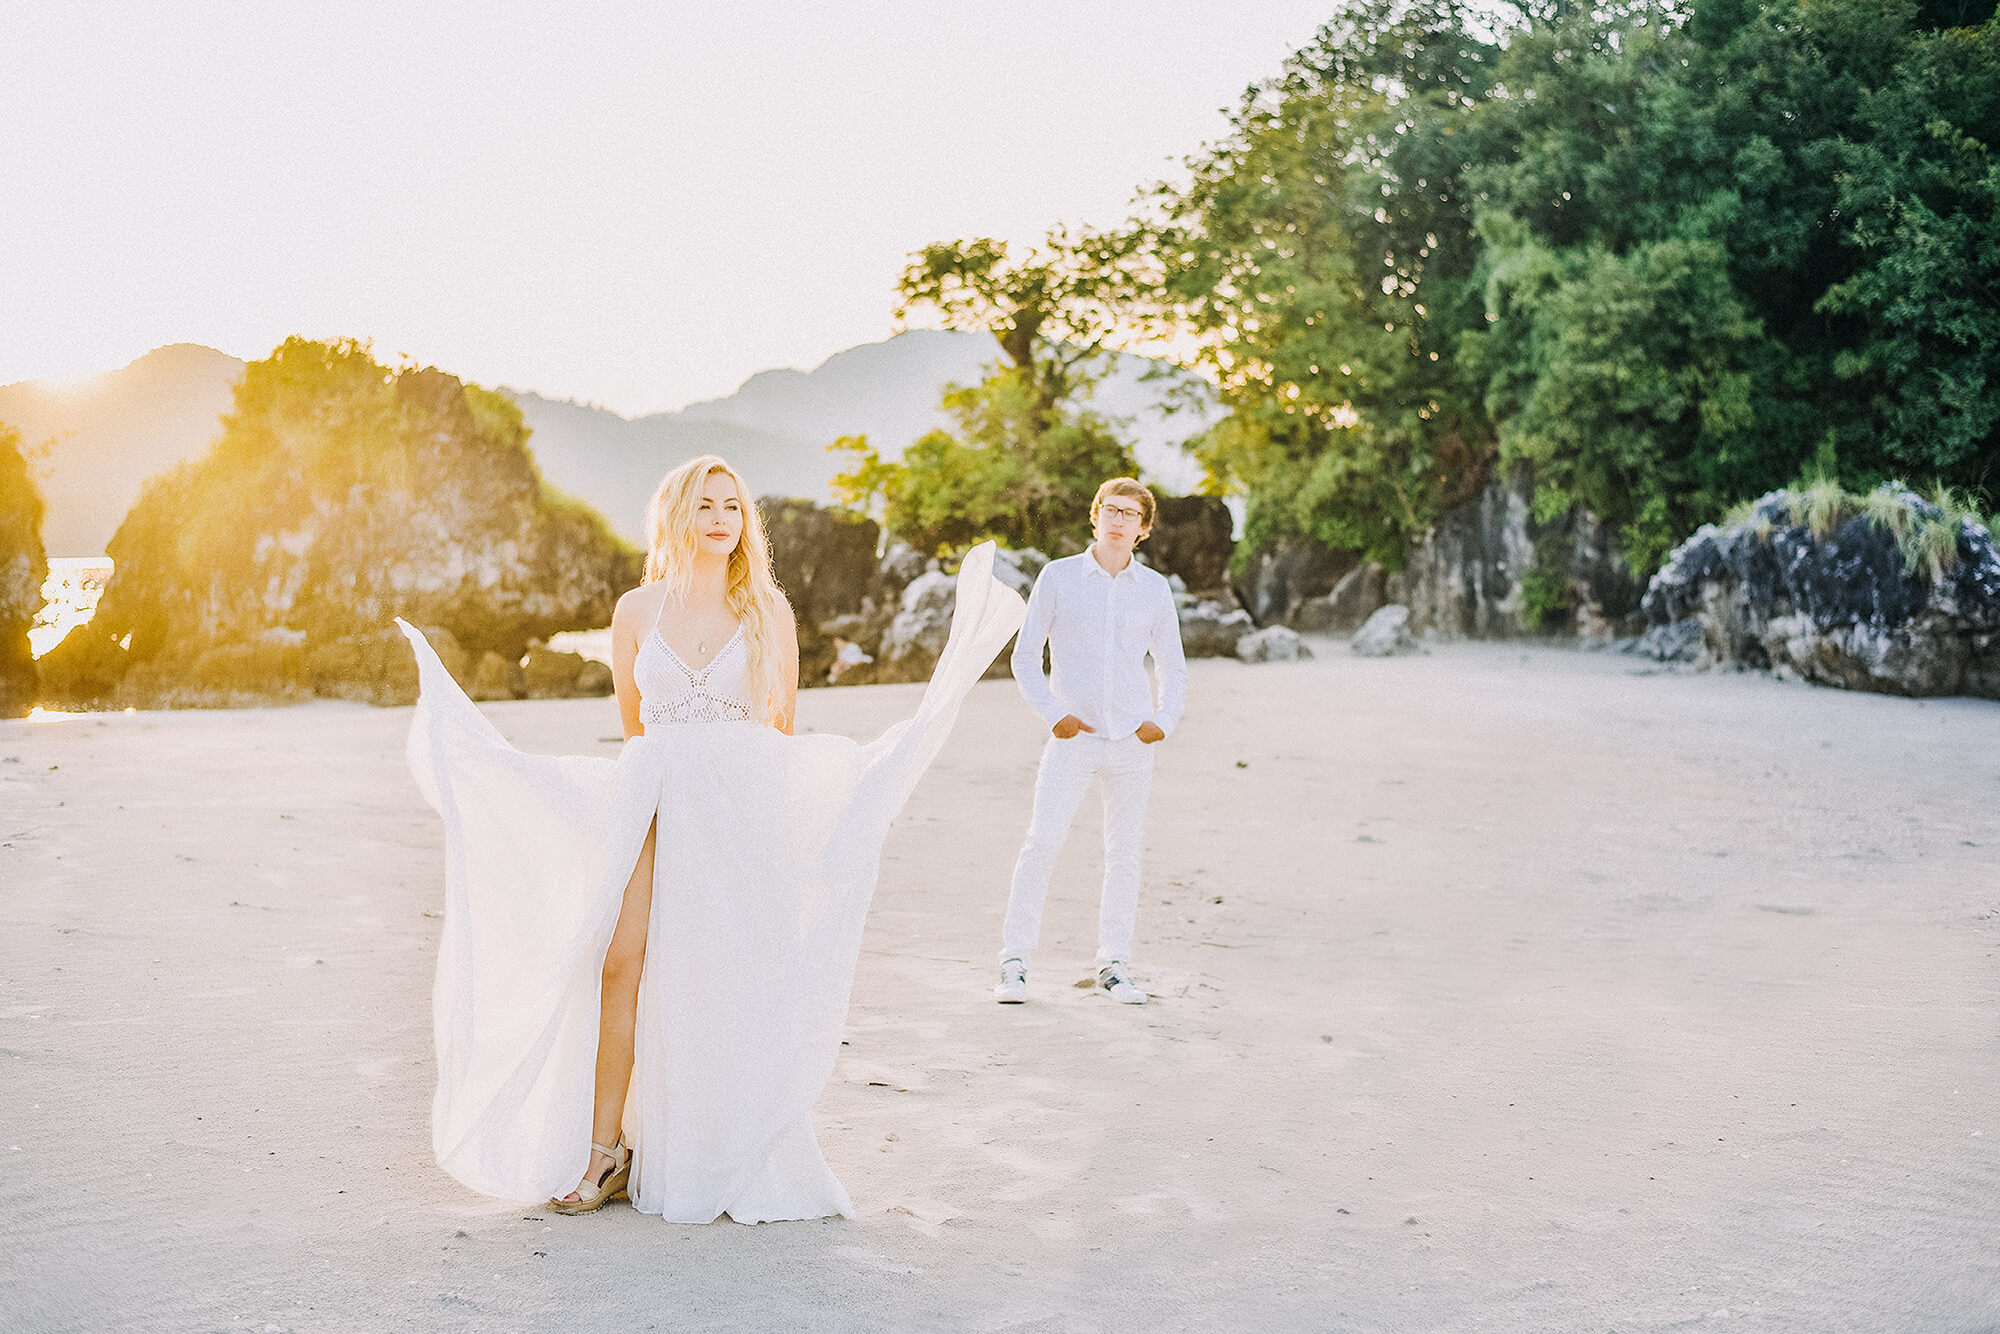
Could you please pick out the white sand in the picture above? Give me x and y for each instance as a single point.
(1501, 989)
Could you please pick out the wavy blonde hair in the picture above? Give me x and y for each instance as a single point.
(749, 588)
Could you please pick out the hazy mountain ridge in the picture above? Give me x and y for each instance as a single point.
(776, 428)
(107, 436)
(127, 425)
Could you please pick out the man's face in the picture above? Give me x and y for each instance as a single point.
(1120, 523)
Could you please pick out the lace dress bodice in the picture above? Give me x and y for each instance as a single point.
(672, 692)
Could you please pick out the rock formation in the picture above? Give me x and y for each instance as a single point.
(548, 674)
(1844, 604)
(1287, 575)
(495, 677)
(1385, 633)
(1274, 643)
(1360, 592)
(914, 639)
(824, 560)
(340, 495)
(1676, 642)
(870, 621)
(24, 567)
(1488, 569)
(1191, 538)
(855, 636)
(1212, 629)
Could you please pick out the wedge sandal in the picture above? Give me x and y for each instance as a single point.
(610, 1186)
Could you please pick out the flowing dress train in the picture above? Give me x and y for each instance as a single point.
(764, 865)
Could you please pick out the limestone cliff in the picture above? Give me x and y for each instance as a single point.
(1489, 569)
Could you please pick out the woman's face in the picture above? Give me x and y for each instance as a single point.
(718, 520)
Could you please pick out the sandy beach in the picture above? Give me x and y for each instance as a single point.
(1504, 987)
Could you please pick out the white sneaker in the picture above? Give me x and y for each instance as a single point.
(1013, 988)
(1115, 982)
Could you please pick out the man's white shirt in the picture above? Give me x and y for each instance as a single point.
(1100, 628)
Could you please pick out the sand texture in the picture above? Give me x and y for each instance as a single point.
(1500, 988)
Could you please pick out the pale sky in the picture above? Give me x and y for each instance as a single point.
(632, 205)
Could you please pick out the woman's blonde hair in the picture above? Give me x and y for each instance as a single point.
(672, 538)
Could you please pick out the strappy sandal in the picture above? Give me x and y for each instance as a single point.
(611, 1186)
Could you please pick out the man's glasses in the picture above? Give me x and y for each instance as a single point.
(1121, 512)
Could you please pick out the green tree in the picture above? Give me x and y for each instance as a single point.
(1667, 254)
(1051, 308)
(1616, 355)
(1012, 470)
(1624, 379)
(1320, 256)
(1922, 196)
(1026, 454)
(1813, 174)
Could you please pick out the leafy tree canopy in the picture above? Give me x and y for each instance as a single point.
(1026, 454)
(1671, 255)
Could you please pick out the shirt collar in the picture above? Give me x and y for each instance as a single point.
(1090, 558)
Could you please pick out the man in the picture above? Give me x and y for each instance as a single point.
(1101, 613)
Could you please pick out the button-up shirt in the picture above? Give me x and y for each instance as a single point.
(1100, 627)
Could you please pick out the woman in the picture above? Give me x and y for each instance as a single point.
(646, 962)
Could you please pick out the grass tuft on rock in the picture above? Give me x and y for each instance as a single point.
(1927, 529)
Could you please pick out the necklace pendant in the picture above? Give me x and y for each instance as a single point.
(701, 646)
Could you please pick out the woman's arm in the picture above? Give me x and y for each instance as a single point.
(785, 706)
(626, 618)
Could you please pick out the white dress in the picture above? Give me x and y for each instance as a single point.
(764, 865)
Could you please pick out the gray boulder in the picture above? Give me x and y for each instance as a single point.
(1842, 606)
(824, 560)
(1353, 600)
(900, 626)
(373, 666)
(594, 681)
(1287, 574)
(902, 563)
(1386, 632)
(916, 637)
(549, 674)
(1191, 539)
(1019, 569)
(1275, 643)
(1677, 641)
(495, 677)
(1210, 629)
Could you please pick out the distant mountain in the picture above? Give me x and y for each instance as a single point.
(127, 425)
(888, 391)
(776, 427)
(112, 433)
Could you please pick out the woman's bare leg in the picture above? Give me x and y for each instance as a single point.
(619, 1008)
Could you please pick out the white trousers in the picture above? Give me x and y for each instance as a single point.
(1125, 767)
